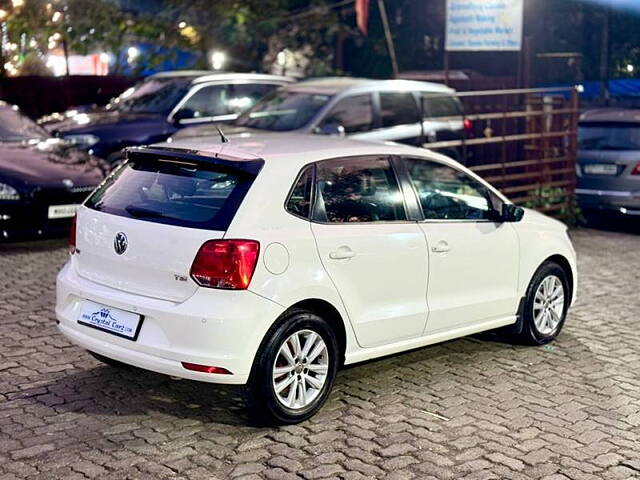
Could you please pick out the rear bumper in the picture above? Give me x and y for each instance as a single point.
(213, 327)
(624, 202)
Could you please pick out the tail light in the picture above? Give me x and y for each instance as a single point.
(72, 235)
(227, 264)
(468, 126)
(636, 170)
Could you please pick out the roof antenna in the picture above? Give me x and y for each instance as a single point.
(223, 138)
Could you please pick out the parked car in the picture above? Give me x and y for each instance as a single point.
(42, 179)
(272, 260)
(364, 109)
(161, 105)
(609, 162)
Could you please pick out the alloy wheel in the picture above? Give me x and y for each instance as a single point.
(548, 305)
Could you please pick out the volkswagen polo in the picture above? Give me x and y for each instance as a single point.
(273, 260)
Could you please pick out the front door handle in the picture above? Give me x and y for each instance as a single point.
(343, 253)
(441, 247)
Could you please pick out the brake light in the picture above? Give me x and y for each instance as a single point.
(72, 235)
(205, 368)
(636, 170)
(227, 264)
(468, 126)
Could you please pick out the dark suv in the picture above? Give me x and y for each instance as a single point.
(384, 110)
(162, 104)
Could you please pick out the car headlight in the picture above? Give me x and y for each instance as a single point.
(82, 140)
(7, 192)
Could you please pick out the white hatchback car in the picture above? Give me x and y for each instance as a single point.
(273, 260)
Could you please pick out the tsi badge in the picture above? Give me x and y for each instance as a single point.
(120, 243)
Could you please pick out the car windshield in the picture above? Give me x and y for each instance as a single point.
(283, 111)
(151, 96)
(15, 127)
(609, 136)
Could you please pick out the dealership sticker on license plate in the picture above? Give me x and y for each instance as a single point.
(601, 169)
(62, 211)
(109, 319)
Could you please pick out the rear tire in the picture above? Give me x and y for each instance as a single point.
(108, 361)
(545, 306)
(293, 371)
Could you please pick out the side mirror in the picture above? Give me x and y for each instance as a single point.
(183, 114)
(331, 128)
(512, 213)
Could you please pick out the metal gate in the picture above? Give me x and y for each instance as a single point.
(524, 142)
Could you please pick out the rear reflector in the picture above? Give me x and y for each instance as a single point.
(72, 236)
(636, 170)
(227, 264)
(205, 368)
(468, 126)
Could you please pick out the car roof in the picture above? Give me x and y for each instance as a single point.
(293, 148)
(612, 115)
(201, 76)
(335, 85)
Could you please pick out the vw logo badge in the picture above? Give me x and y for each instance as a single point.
(67, 182)
(120, 243)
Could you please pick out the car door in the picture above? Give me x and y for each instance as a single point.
(376, 258)
(473, 259)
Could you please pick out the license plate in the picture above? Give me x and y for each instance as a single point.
(62, 211)
(110, 320)
(601, 169)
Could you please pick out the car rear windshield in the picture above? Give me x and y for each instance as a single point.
(173, 192)
(609, 136)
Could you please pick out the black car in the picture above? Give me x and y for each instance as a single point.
(42, 179)
(161, 105)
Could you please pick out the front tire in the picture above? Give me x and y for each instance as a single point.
(294, 370)
(545, 306)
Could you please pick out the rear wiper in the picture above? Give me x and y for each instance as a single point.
(143, 212)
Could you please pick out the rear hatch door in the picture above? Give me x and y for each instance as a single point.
(141, 230)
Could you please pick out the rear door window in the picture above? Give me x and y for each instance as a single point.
(357, 190)
(196, 195)
(244, 96)
(398, 108)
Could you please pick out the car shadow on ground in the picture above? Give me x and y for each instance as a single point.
(129, 392)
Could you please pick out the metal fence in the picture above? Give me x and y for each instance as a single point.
(524, 142)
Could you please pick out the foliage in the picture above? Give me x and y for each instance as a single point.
(546, 198)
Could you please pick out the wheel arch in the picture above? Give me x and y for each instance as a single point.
(329, 313)
(564, 263)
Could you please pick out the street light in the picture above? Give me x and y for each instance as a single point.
(3, 14)
(630, 68)
(218, 59)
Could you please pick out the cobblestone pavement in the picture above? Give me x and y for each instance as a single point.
(471, 408)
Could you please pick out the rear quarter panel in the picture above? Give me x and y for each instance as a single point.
(289, 269)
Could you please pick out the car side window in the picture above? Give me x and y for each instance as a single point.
(362, 189)
(244, 96)
(446, 193)
(299, 202)
(354, 114)
(441, 106)
(208, 102)
(398, 108)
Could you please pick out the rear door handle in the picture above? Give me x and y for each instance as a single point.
(441, 247)
(343, 253)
